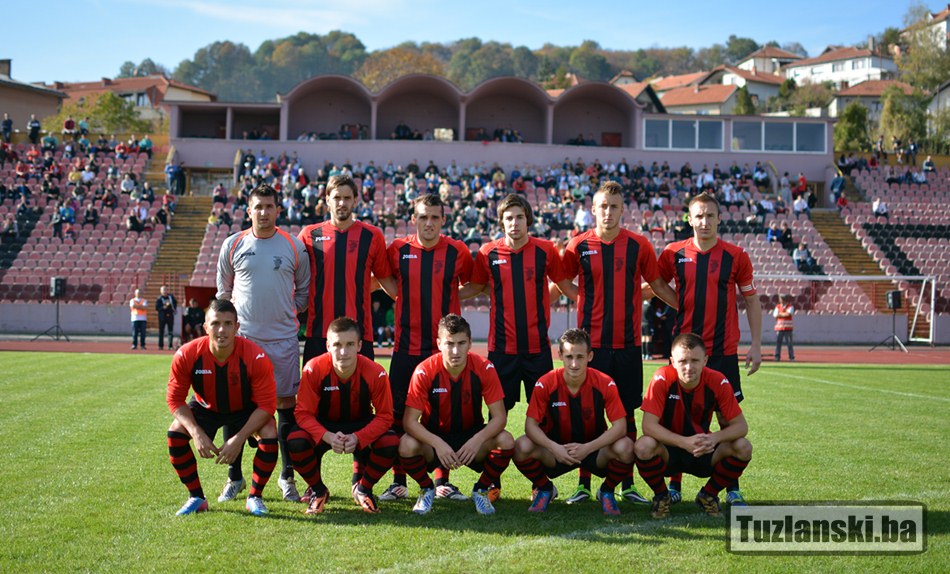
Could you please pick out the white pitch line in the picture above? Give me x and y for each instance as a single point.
(863, 388)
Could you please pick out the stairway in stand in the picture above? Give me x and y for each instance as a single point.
(176, 257)
(857, 261)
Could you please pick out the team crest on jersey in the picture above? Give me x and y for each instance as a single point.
(277, 262)
(714, 266)
(587, 413)
(618, 264)
(437, 266)
(529, 273)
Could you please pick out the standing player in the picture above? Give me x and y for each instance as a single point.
(610, 263)
(517, 268)
(677, 412)
(565, 426)
(233, 382)
(345, 405)
(345, 254)
(265, 273)
(447, 392)
(428, 269)
(707, 272)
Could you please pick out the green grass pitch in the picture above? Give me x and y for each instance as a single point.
(86, 486)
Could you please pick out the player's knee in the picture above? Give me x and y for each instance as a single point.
(177, 427)
(297, 442)
(645, 447)
(623, 449)
(408, 446)
(268, 430)
(742, 449)
(504, 441)
(524, 446)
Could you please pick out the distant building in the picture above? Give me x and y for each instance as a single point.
(868, 94)
(941, 99)
(842, 66)
(761, 85)
(767, 60)
(147, 93)
(667, 83)
(712, 99)
(20, 99)
(937, 25)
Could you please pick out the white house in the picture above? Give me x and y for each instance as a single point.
(936, 25)
(712, 99)
(868, 94)
(843, 66)
(768, 60)
(761, 85)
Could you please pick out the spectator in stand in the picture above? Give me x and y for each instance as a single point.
(163, 218)
(90, 215)
(803, 259)
(801, 206)
(879, 208)
(802, 186)
(69, 128)
(583, 219)
(133, 223)
(6, 128)
(773, 235)
(929, 166)
(49, 142)
(785, 236)
(145, 145)
(194, 321)
(10, 230)
(841, 202)
(128, 184)
(219, 194)
(33, 129)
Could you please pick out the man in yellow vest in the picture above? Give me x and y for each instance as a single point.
(783, 327)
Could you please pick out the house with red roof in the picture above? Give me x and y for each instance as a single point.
(147, 93)
(768, 60)
(667, 83)
(936, 25)
(868, 94)
(20, 99)
(711, 99)
(843, 66)
(761, 85)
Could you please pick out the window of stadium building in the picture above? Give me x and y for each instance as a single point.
(799, 137)
(682, 134)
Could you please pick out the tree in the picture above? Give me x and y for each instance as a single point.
(587, 62)
(923, 62)
(709, 58)
(385, 66)
(795, 48)
(107, 113)
(851, 131)
(738, 48)
(903, 115)
(809, 96)
(744, 104)
(224, 68)
(146, 68)
(938, 142)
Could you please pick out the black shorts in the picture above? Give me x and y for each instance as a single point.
(210, 421)
(589, 463)
(682, 461)
(646, 329)
(456, 440)
(515, 370)
(400, 373)
(316, 346)
(625, 367)
(728, 365)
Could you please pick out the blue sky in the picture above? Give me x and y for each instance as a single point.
(70, 40)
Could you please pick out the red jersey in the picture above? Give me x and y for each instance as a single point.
(428, 289)
(520, 304)
(244, 381)
(453, 405)
(567, 417)
(609, 275)
(689, 412)
(340, 266)
(706, 284)
(323, 399)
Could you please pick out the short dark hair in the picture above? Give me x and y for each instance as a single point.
(688, 341)
(430, 200)
(515, 200)
(263, 190)
(705, 197)
(222, 306)
(573, 337)
(453, 324)
(342, 180)
(344, 324)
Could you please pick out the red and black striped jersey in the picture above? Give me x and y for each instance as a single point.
(244, 381)
(324, 399)
(341, 264)
(609, 275)
(520, 305)
(453, 405)
(706, 283)
(428, 289)
(568, 417)
(689, 412)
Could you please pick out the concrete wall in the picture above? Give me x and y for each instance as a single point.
(78, 319)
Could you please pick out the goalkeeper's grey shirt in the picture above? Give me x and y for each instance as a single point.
(268, 280)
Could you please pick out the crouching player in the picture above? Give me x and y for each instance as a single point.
(344, 404)
(677, 410)
(446, 393)
(233, 383)
(565, 427)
